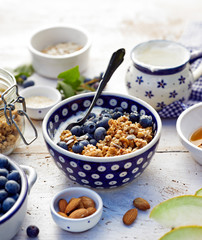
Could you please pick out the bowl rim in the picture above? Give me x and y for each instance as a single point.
(103, 159)
(22, 196)
(178, 125)
(83, 191)
(56, 100)
(66, 56)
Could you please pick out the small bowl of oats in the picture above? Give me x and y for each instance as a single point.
(39, 100)
(112, 148)
(58, 48)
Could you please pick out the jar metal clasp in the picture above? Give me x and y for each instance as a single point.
(10, 117)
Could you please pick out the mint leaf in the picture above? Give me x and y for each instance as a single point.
(65, 89)
(25, 69)
(71, 77)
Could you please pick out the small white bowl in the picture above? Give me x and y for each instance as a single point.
(187, 123)
(76, 225)
(39, 112)
(50, 66)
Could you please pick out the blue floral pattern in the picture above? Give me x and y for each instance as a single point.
(161, 84)
(139, 80)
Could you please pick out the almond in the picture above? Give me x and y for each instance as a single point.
(80, 205)
(62, 214)
(72, 205)
(62, 204)
(87, 202)
(91, 210)
(79, 213)
(141, 204)
(130, 216)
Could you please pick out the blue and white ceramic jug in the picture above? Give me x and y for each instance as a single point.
(160, 72)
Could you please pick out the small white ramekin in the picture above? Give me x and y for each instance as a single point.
(39, 113)
(187, 123)
(76, 225)
(50, 66)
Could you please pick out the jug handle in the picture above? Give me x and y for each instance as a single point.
(193, 56)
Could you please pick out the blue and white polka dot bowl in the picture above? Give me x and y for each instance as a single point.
(99, 172)
(79, 224)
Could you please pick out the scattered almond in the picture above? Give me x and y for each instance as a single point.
(62, 214)
(72, 205)
(62, 205)
(87, 202)
(130, 216)
(79, 213)
(141, 204)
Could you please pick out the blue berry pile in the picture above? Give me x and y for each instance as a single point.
(96, 126)
(10, 185)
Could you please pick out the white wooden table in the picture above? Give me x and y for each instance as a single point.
(112, 24)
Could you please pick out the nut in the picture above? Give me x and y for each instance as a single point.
(87, 202)
(130, 216)
(91, 210)
(79, 213)
(72, 205)
(62, 214)
(62, 205)
(141, 204)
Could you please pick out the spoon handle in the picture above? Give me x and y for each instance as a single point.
(116, 59)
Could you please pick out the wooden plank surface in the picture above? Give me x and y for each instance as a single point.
(112, 24)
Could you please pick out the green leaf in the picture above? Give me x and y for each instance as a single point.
(25, 69)
(65, 89)
(71, 77)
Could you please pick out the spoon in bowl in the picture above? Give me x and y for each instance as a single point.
(116, 59)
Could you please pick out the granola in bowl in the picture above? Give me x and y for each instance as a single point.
(110, 133)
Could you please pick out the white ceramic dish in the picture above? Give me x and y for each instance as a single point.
(50, 66)
(11, 221)
(76, 225)
(188, 122)
(40, 111)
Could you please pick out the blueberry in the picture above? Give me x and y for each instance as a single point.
(145, 121)
(7, 204)
(87, 80)
(84, 142)
(62, 145)
(89, 127)
(3, 181)
(3, 162)
(116, 115)
(91, 116)
(104, 111)
(12, 187)
(24, 77)
(77, 130)
(3, 195)
(107, 115)
(3, 172)
(134, 117)
(93, 142)
(15, 196)
(14, 175)
(77, 147)
(32, 231)
(103, 123)
(89, 136)
(28, 83)
(118, 109)
(99, 133)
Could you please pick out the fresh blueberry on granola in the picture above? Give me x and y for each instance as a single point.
(112, 132)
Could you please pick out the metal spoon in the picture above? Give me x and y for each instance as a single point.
(116, 59)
